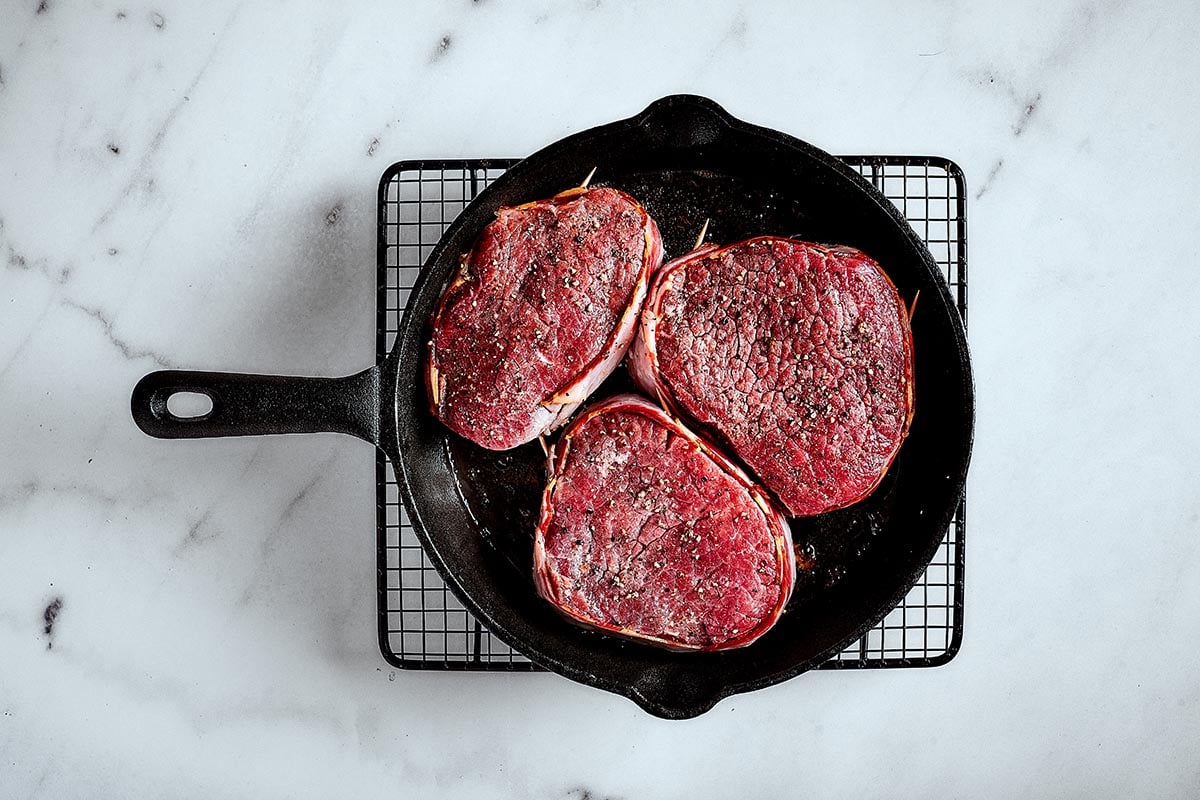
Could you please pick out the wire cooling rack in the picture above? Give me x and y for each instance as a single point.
(422, 625)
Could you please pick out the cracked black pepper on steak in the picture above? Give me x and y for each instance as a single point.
(543, 308)
(650, 533)
(796, 356)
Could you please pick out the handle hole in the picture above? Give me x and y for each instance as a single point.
(189, 405)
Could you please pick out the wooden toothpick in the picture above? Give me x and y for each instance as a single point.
(700, 238)
(588, 179)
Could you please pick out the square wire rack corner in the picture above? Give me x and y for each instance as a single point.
(422, 625)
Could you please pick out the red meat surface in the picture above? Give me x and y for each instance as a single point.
(650, 533)
(796, 356)
(543, 308)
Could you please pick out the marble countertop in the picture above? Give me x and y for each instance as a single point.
(193, 185)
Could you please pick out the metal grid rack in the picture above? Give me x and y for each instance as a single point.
(422, 623)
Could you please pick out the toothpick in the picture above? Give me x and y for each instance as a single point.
(542, 442)
(912, 308)
(661, 400)
(700, 238)
(588, 179)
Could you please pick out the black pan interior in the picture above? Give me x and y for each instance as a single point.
(688, 161)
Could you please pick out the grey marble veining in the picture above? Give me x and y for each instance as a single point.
(193, 185)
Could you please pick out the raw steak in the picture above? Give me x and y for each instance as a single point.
(542, 310)
(797, 356)
(649, 532)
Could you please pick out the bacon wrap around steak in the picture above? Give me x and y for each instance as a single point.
(797, 356)
(543, 308)
(648, 532)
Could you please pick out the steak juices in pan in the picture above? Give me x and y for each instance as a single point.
(795, 358)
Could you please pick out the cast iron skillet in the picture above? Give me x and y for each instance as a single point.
(687, 160)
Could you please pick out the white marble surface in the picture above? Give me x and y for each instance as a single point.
(167, 176)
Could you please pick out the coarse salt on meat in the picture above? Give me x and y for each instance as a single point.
(543, 308)
(798, 357)
(649, 533)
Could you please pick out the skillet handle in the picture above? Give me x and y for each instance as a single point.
(255, 405)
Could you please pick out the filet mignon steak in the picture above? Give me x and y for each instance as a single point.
(647, 531)
(543, 308)
(797, 356)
